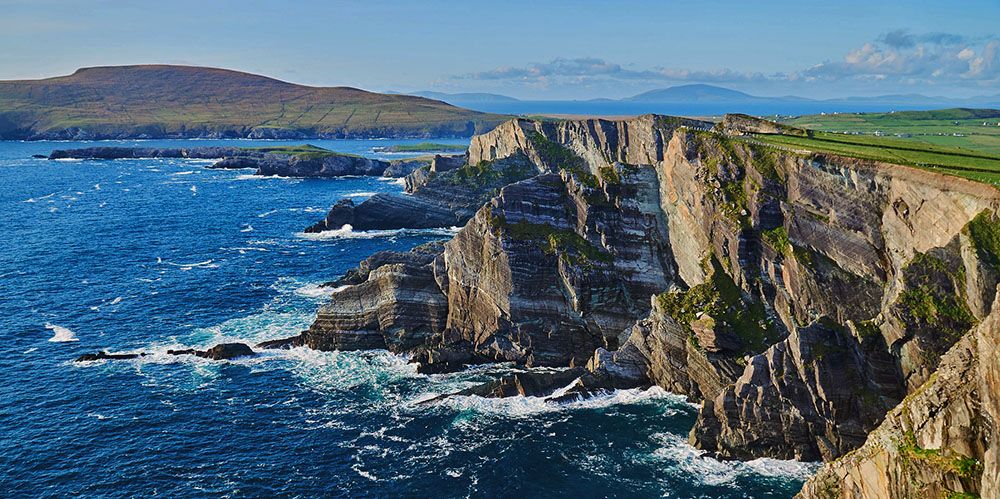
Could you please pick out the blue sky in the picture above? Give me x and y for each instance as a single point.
(529, 49)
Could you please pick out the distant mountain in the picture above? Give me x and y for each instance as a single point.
(464, 97)
(712, 94)
(183, 101)
(692, 93)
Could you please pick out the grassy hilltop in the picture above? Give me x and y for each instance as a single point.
(183, 101)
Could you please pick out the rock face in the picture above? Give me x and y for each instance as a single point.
(941, 441)
(314, 163)
(800, 297)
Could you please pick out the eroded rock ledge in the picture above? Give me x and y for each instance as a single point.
(799, 297)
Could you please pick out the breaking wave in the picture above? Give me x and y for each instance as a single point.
(62, 334)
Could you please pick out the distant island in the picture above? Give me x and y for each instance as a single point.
(162, 101)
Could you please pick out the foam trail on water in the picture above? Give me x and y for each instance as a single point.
(35, 200)
(62, 334)
(529, 406)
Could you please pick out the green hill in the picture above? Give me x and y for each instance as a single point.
(971, 129)
(184, 101)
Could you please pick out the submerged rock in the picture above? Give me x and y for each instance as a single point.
(222, 351)
(89, 357)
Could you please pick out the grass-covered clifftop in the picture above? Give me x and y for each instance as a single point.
(971, 129)
(183, 101)
(980, 164)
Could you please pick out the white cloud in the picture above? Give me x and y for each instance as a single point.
(896, 57)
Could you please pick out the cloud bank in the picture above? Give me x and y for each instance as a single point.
(897, 56)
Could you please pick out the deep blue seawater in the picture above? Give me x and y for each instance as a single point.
(155, 254)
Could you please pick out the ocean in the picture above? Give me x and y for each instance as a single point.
(157, 254)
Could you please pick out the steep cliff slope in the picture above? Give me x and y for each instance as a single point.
(799, 296)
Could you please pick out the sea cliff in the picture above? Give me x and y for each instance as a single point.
(800, 298)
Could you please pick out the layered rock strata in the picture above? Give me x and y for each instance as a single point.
(800, 297)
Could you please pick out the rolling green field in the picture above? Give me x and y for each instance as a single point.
(970, 129)
(975, 165)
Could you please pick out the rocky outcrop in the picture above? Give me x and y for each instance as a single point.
(334, 165)
(222, 351)
(300, 161)
(799, 296)
(438, 195)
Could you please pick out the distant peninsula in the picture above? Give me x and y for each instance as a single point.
(163, 101)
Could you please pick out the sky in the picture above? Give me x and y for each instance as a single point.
(540, 50)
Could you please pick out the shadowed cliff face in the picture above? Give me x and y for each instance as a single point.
(799, 296)
(940, 441)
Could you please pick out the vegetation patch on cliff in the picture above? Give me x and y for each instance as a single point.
(933, 303)
(720, 298)
(953, 462)
(557, 156)
(491, 173)
(777, 238)
(984, 230)
(553, 241)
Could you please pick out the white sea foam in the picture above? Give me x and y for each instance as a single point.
(194, 190)
(247, 228)
(267, 213)
(693, 462)
(317, 290)
(69, 160)
(528, 406)
(191, 172)
(251, 176)
(62, 334)
(360, 194)
(348, 232)
(35, 200)
(207, 264)
(116, 301)
(32, 349)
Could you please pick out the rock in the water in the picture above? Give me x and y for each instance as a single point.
(225, 351)
(222, 351)
(89, 357)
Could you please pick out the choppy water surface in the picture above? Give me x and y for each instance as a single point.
(156, 254)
